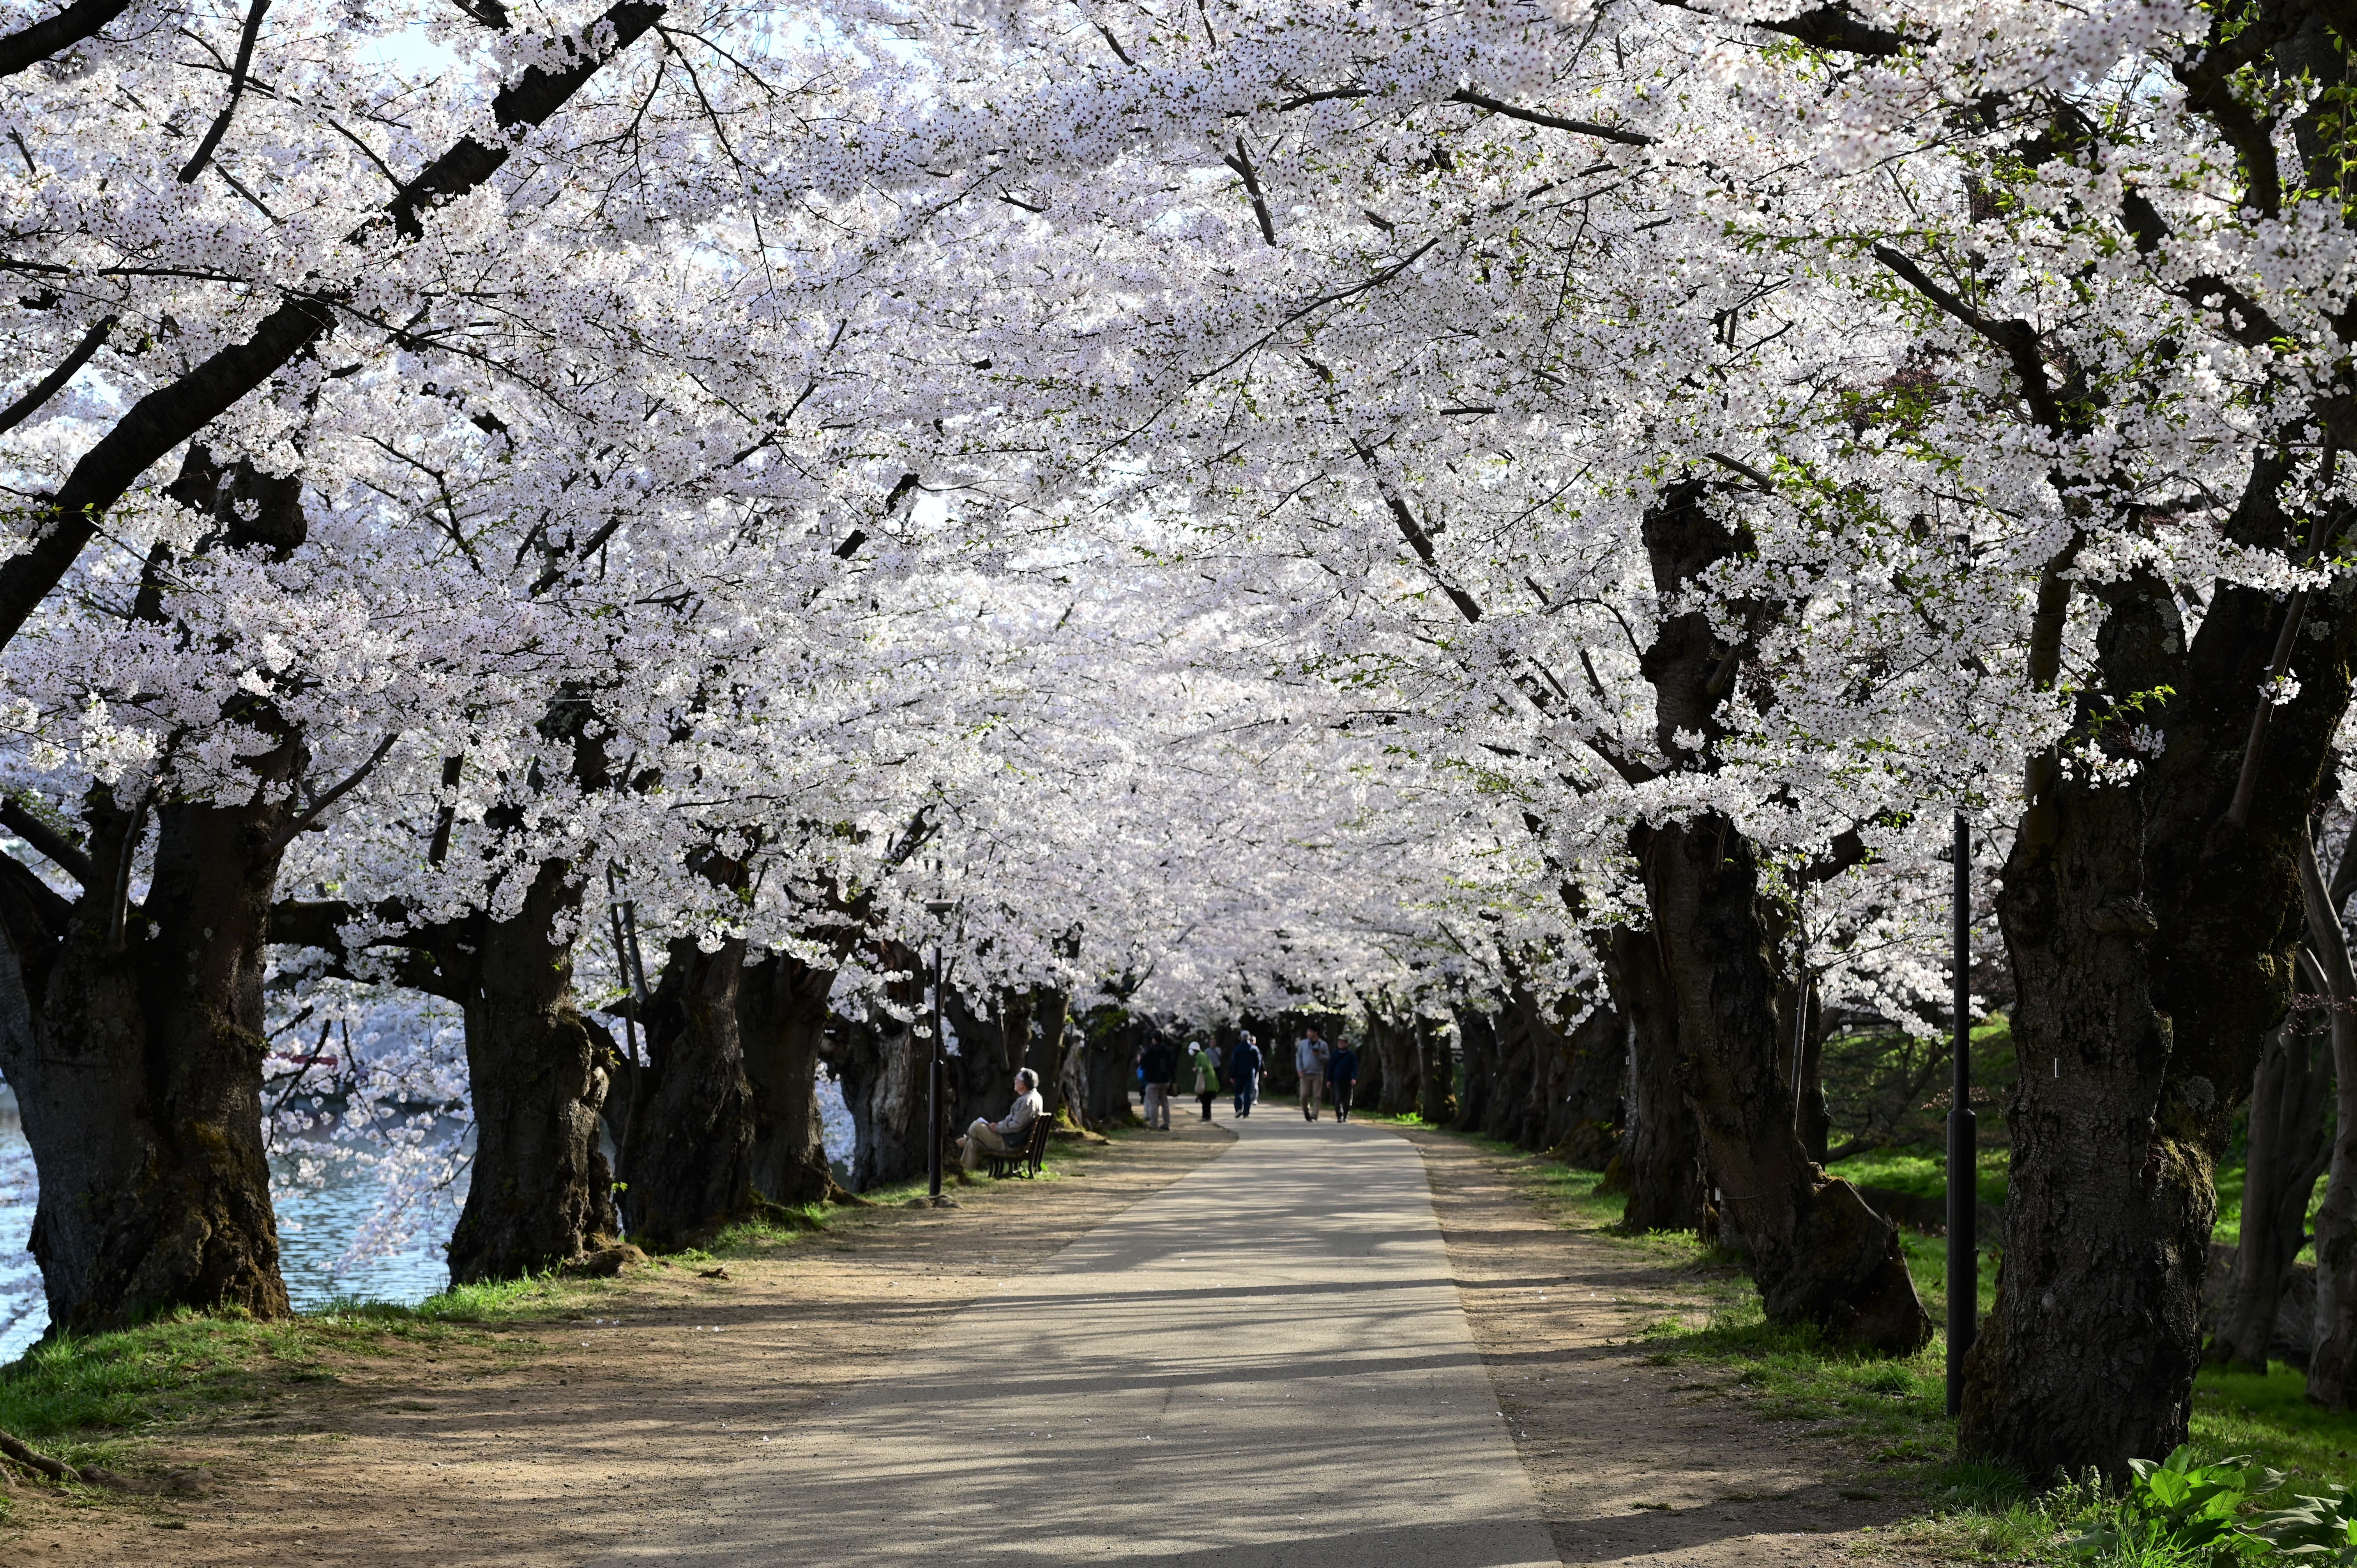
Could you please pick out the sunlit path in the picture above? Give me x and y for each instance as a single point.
(1265, 1363)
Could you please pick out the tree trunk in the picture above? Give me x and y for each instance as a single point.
(136, 1059)
(980, 1079)
(1659, 1157)
(883, 1064)
(1397, 1043)
(2332, 1361)
(1526, 1065)
(1585, 1084)
(540, 1191)
(2288, 1153)
(1816, 1252)
(1436, 1074)
(782, 1013)
(1050, 1053)
(133, 1035)
(690, 1162)
(2150, 935)
(1478, 1050)
(1110, 1049)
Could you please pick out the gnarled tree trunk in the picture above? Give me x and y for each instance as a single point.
(782, 1013)
(1051, 1050)
(2150, 934)
(540, 1191)
(690, 1162)
(884, 1063)
(1396, 1043)
(1658, 1163)
(135, 1053)
(2288, 1153)
(133, 1034)
(1816, 1252)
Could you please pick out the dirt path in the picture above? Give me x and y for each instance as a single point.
(554, 1443)
(604, 1434)
(1632, 1462)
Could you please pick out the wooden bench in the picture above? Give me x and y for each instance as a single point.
(1025, 1162)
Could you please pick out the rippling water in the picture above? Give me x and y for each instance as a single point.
(315, 1226)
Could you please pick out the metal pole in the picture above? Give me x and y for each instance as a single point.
(934, 1086)
(1963, 1142)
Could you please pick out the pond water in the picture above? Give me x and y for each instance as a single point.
(315, 1226)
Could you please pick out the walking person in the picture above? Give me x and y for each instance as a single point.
(1159, 1065)
(1343, 1076)
(1243, 1072)
(1206, 1067)
(1310, 1054)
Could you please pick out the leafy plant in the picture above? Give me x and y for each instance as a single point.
(2321, 1531)
(2178, 1505)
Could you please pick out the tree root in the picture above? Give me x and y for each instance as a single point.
(182, 1482)
(605, 1262)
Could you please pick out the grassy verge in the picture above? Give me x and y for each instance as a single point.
(1891, 1413)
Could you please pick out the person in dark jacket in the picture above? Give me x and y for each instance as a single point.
(1343, 1076)
(1243, 1072)
(1159, 1064)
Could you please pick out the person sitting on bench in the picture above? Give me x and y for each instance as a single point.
(986, 1137)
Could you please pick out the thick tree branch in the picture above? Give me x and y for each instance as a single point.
(17, 413)
(173, 413)
(1554, 122)
(62, 851)
(1240, 161)
(22, 49)
(203, 154)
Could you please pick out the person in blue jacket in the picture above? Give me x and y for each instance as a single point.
(1243, 1072)
(1343, 1077)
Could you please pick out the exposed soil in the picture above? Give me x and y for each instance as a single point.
(545, 1443)
(1630, 1460)
(555, 1441)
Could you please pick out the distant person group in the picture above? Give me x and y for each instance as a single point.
(1329, 1074)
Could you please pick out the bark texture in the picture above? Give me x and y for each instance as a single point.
(1817, 1252)
(2287, 1152)
(690, 1162)
(1393, 1042)
(781, 1014)
(2151, 940)
(883, 1065)
(541, 1191)
(136, 1059)
(1659, 1159)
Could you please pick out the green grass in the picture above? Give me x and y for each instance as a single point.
(1923, 1172)
(73, 1395)
(1892, 1413)
(2269, 1419)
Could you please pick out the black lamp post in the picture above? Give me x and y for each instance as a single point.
(1963, 1142)
(939, 908)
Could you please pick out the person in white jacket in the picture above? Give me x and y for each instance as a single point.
(1310, 1057)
